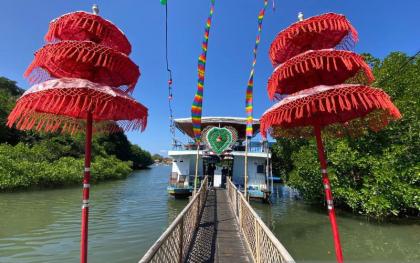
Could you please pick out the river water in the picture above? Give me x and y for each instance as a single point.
(127, 216)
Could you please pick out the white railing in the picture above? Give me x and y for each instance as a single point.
(264, 246)
(173, 244)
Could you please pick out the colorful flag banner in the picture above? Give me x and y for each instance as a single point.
(250, 87)
(196, 108)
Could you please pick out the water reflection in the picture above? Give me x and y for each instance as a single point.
(174, 207)
(305, 232)
(127, 217)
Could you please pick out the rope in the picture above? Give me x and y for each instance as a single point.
(381, 82)
(170, 90)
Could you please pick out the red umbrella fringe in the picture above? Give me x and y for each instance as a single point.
(79, 59)
(359, 78)
(63, 124)
(290, 119)
(85, 26)
(316, 24)
(52, 123)
(318, 60)
(74, 104)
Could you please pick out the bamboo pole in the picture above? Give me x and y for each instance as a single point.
(86, 187)
(328, 194)
(196, 169)
(267, 168)
(271, 175)
(246, 170)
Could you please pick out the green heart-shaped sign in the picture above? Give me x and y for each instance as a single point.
(219, 139)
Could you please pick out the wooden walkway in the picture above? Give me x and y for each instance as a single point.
(208, 230)
(218, 238)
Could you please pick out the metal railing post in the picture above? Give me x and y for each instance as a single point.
(258, 239)
(257, 242)
(240, 214)
(198, 209)
(181, 240)
(237, 203)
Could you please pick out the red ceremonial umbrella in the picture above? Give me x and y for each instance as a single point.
(338, 110)
(319, 32)
(83, 59)
(312, 106)
(87, 89)
(71, 105)
(43, 105)
(316, 67)
(87, 26)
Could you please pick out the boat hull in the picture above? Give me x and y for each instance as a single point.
(259, 195)
(179, 192)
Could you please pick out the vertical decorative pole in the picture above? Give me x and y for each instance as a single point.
(271, 176)
(197, 105)
(196, 169)
(246, 170)
(86, 187)
(328, 194)
(249, 103)
(86, 179)
(267, 167)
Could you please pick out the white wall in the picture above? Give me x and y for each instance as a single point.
(181, 165)
(185, 165)
(253, 177)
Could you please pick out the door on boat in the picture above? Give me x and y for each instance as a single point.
(227, 168)
(218, 169)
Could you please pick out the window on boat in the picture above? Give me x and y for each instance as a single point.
(260, 168)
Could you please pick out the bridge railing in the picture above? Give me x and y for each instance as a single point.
(264, 246)
(173, 244)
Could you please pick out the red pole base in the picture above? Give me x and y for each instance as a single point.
(86, 187)
(328, 195)
(331, 215)
(84, 236)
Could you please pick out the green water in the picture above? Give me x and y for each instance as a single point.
(306, 233)
(127, 216)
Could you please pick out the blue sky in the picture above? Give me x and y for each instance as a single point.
(383, 26)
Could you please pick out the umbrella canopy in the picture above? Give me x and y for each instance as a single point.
(319, 32)
(90, 49)
(43, 106)
(81, 25)
(83, 59)
(316, 67)
(348, 108)
(338, 109)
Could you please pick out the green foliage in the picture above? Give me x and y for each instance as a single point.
(282, 156)
(28, 167)
(117, 144)
(141, 157)
(9, 92)
(378, 174)
(31, 159)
